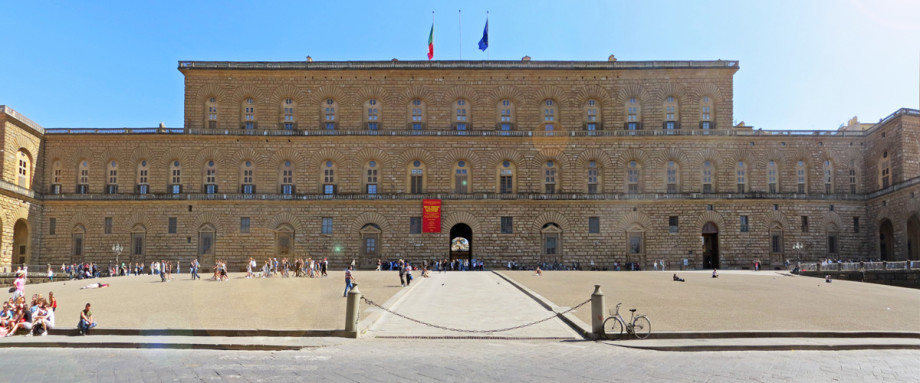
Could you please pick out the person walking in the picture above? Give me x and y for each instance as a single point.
(408, 274)
(402, 273)
(349, 281)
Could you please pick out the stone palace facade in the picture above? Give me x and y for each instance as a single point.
(532, 161)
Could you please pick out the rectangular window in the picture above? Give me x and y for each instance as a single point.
(248, 189)
(507, 225)
(804, 223)
(832, 244)
(744, 224)
(138, 245)
(327, 225)
(415, 225)
(78, 245)
(635, 243)
(856, 224)
(550, 245)
(370, 246)
(372, 189)
(287, 189)
(673, 224)
(244, 225)
(108, 225)
(594, 225)
(328, 189)
(707, 188)
(416, 184)
(173, 225)
(52, 226)
(772, 187)
(506, 184)
(461, 181)
(776, 243)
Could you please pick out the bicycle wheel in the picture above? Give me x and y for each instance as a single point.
(613, 328)
(642, 327)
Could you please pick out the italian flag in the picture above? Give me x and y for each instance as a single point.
(431, 42)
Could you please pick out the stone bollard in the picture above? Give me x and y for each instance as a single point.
(598, 310)
(351, 311)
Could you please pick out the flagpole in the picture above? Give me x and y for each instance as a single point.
(487, 51)
(460, 29)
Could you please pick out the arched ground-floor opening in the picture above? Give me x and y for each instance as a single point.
(22, 249)
(886, 241)
(461, 242)
(710, 246)
(913, 238)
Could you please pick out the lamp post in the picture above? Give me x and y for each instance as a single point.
(798, 246)
(117, 249)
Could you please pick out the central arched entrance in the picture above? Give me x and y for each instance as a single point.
(913, 238)
(710, 246)
(461, 242)
(885, 241)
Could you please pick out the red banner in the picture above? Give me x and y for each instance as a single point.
(431, 216)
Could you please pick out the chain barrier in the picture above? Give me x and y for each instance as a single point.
(555, 314)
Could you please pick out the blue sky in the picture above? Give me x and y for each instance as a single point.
(804, 64)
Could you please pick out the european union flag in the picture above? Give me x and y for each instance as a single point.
(484, 42)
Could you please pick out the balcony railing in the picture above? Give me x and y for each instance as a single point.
(18, 189)
(451, 196)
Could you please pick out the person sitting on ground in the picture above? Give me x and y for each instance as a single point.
(715, 273)
(43, 320)
(678, 279)
(86, 320)
(827, 278)
(538, 272)
(95, 286)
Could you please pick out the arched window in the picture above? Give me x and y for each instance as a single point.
(592, 115)
(416, 177)
(549, 176)
(633, 114)
(77, 254)
(741, 176)
(111, 185)
(287, 178)
(25, 169)
(371, 174)
(671, 114)
(461, 115)
(594, 177)
(506, 177)
(461, 179)
(246, 178)
(801, 177)
(328, 113)
(633, 177)
(506, 115)
(248, 113)
(288, 121)
(551, 236)
(372, 114)
(142, 182)
(211, 113)
(772, 177)
(673, 177)
(56, 177)
(138, 243)
(828, 177)
(83, 177)
(550, 115)
(706, 113)
(417, 114)
(284, 241)
(884, 171)
(210, 177)
(175, 177)
(207, 239)
(708, 170)
(330, 185)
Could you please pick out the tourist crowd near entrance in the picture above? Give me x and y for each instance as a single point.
(533, 162)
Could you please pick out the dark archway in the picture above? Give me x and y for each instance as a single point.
(886, 241)
(22, 249)
(913, 238)
(710, 246)
(461, 242)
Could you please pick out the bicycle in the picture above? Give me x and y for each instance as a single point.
(638, 325)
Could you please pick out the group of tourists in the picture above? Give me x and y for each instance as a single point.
(36, 316)
(285, 268)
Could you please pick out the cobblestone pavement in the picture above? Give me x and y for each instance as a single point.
(455, 360)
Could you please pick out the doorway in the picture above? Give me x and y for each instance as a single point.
(913, 238)
(461, 242)
(886, 240)
(711, 246)
(22, 250)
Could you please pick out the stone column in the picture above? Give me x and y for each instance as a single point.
(597, 312)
